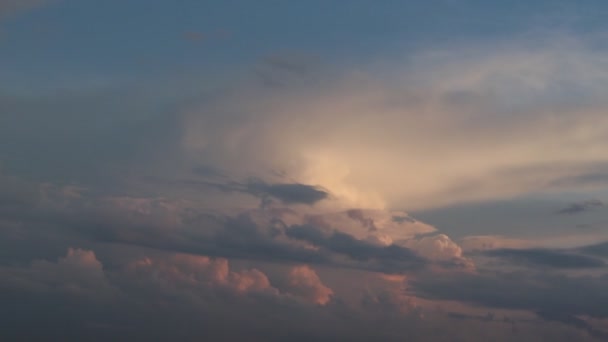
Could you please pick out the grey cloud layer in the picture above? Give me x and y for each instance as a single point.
(546, 292)
(550, 258)
(576, 208)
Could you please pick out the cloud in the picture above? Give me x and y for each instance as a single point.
(436, 247)
(305, 282)
(600, 249)
(190, 274)
(287, 193)
(390, 258)
(275, 233)
(573, 321)
(548, 258)
(489, 242)
(164, 295)
(366, 137)
(522, 290)
(371, 142)
(577, 208)
(78, 273)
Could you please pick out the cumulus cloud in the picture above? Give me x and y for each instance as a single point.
(327, 163)
(192, 297)
(436, 247)
(274, 233)
(192, 274)
(305, 282)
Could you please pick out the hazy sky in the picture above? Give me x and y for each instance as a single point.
(304, 170)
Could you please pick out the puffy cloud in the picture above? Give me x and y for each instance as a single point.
(192, 297)
(369, 239)
(437, 247)
(200, 274)
(305, 282)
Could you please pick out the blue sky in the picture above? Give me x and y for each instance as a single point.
(137, 38)
(335, 164)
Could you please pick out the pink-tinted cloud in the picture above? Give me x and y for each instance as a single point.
(193, 273)
(304, 282)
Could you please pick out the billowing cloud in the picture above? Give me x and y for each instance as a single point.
(305, 282)
(516, 121)
(190, 274)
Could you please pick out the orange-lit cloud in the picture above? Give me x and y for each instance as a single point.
(449, 127)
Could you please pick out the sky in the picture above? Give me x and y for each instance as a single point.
(304, 170)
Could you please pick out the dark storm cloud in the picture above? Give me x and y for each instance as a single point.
(547, 257)
(580, 207)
